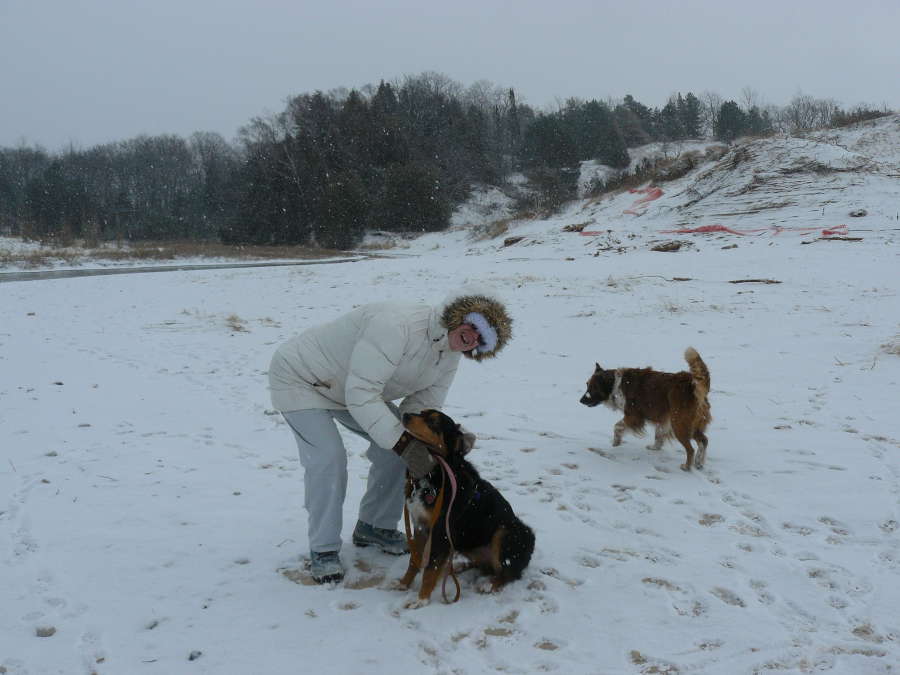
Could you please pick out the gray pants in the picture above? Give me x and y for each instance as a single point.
(324, 460)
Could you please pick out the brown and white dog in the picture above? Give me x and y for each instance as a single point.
(675, 402)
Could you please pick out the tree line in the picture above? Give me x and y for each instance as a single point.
(396, 156)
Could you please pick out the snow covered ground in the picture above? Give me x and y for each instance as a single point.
(151, 514)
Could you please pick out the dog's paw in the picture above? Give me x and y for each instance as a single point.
(397, 585)
(616, 442)
(698, 465)
(685, 467)
(416, 603)
(485, 586)
(490, 584)
(655, 448)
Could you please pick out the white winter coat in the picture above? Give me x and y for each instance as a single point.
(376, 353)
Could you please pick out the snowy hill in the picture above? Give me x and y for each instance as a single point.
(807, 184)
(151, 515)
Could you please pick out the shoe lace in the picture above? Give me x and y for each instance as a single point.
(327, 557)
(387, 533)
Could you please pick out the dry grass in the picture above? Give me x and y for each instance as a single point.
(660, 170)
(236, 324)
(578, 227)
(379, 246)
(892, 346)
(671, 307)
(158, 251)
(492, 230)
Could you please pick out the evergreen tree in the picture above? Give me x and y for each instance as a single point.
(669, 120)
(758, 122)
(485, 164)
(388, 143)
(413, 199)
(512, 124)
(344, 211)
(604, 137)
(18, 167)
(266, 204)
(731, 122)
(354, 126)
(690, 114)
(633, 132)
(547, 142)
(643, 114)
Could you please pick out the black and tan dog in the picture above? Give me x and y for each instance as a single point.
(675, 402)
(482, 525)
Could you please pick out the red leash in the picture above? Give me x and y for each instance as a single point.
(448, 472)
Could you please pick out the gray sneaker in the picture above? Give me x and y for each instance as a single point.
(389, 541)
(326, 567)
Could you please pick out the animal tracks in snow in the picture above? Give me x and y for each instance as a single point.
(781, 555)
(778, 554)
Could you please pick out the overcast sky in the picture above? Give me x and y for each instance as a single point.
(94, 71)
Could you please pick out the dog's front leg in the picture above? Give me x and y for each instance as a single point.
(404, 582)
(618, 430)
(416, 545)
(430, 577)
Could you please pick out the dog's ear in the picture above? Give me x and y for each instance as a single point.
(598, 369)
(459, 446)
(415, 425)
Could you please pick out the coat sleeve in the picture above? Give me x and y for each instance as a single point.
(373, 361)
(430, 397)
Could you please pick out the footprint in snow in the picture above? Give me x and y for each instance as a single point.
(93, 654)
(604, 454)
(710, 519)
(836, 526)
(801, 530)
(728, 597)
(748, 529)
(649, 664)
(588, 561)
(683, 602)
(762, 594)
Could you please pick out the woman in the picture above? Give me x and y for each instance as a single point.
(350, 370)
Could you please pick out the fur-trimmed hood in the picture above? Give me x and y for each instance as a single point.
(458, 306)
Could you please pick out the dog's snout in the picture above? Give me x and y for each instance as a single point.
(586, 400)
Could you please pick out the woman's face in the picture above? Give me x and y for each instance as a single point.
(464, 338)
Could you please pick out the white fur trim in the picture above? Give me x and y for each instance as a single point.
(616, 399)
(486, 330)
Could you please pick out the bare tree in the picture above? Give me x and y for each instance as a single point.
(750, 99)
(710, 103)
(485, 96)
(435, 84)
(776, 116)
(805, 112)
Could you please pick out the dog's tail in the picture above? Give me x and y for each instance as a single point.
(699, 372)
